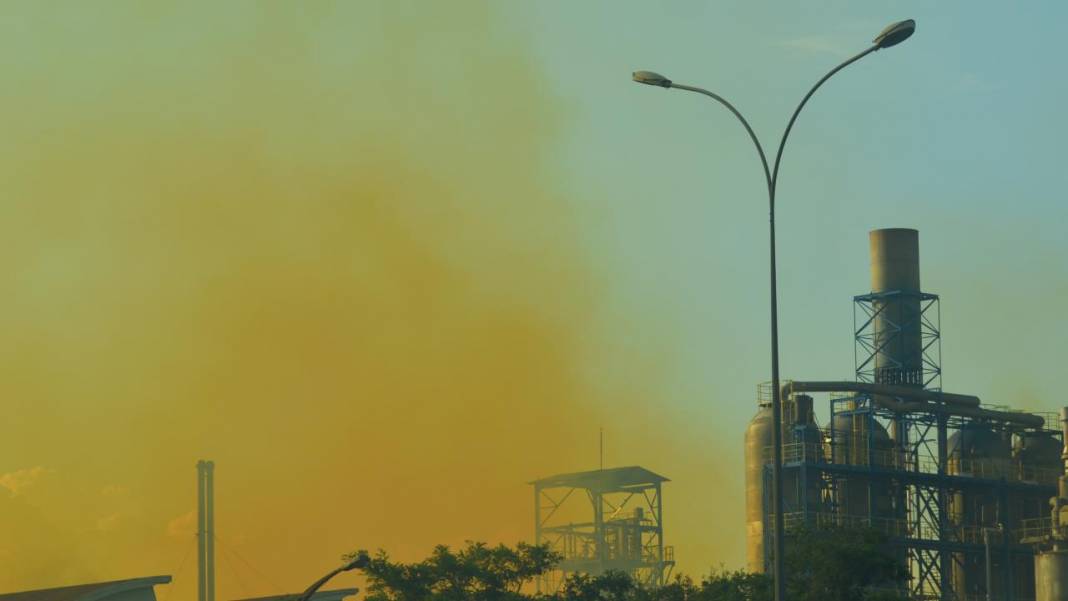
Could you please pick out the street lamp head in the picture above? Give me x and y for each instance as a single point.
(651, 79)
(358, 560)
(895, 33)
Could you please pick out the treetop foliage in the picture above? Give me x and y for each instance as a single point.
(822, 565)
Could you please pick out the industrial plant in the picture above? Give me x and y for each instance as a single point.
(962, 489)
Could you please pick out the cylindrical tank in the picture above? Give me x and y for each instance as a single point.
(977, 450)
(798, 427)
(1051, 575)
(758, 436)
(860, 440)
(895, 268)
(1038, 455)
(1038, 458)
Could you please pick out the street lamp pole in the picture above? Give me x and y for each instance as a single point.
(360, 560)
(891, 36)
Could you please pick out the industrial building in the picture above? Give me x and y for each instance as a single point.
(615, 522)
(134, 589)
(945, 476)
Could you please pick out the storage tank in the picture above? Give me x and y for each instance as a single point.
(1051, 562)
(1038, 457)
(1051, 575)
(849, 444)
(799, 426)
(977, 450)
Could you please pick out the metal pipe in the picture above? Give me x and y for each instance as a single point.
(904, 392)
(989, 562)
(926, 401)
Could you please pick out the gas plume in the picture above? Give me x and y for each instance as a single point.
(321, 244)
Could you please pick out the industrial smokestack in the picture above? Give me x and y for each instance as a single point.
(895, 276)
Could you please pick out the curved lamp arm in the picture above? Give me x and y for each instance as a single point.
(752, 135)
(360, 561)
(892, 35)
(797, 111)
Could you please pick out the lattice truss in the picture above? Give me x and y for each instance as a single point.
(871, 342)
(606, 520)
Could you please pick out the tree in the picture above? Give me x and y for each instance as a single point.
(477, 573)
(735, 586)
(835, 564)
(842, 564)
(610, 586)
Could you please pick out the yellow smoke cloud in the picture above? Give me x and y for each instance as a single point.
(323, 245)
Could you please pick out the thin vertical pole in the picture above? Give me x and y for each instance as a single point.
(602, 448)
(659, 534)
(778, 542)
(945, 561)
(989, 566)
(537, 529)
(209, 539)
(598, 528)
(201, 558)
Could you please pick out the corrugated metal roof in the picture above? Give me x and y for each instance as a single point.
(98, 591)
(609, 479)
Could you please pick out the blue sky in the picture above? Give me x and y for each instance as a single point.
(955, 133)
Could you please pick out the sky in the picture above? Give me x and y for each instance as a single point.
(387, 262)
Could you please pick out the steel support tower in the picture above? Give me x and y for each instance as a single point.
(603, 520)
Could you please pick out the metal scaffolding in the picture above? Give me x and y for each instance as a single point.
(876, 465)
(615, 522)
(872, 311)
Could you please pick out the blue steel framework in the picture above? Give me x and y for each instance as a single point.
(914, 472)
(614, 522)
(869, 343)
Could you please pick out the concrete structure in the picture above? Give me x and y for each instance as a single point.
(135, 589)
(931, 469)
(616, 522)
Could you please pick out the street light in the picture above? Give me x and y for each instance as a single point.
(360, 560)
(891, 36)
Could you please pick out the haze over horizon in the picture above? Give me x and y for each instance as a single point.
(386, 262)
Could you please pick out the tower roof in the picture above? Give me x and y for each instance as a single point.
(604, 480)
